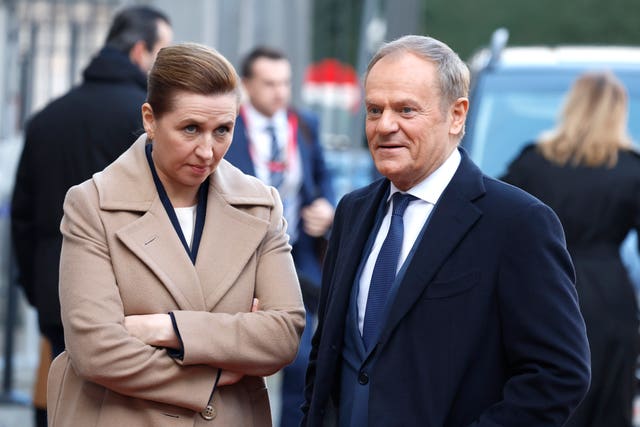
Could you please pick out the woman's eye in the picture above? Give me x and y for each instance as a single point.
(191, 129)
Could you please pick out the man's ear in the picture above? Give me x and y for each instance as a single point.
(138, 53)
(458, 113)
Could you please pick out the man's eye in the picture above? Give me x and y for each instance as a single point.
(374, 111)
(191, 129)
(222, 130)
(407, 110)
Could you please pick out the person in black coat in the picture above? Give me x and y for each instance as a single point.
(587, 172)
(72, 138)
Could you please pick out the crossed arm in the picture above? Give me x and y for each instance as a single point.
(157, 330)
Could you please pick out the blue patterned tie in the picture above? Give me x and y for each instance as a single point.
(275, 164)
(384, 272)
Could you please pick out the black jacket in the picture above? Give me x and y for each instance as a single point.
(70, 139)
(597, 206)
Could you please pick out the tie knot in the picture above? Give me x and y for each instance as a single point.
(400, 202)
(271, 129)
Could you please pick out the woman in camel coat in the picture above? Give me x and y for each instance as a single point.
(177, 286)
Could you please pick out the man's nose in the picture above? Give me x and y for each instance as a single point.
(387, 123)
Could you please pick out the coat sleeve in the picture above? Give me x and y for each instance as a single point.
(325, 290)
(23, 230)
(543, 331)
(100, 348)
(257, 343)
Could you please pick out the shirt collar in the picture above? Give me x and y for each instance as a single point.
(431, 188)
(259, 121)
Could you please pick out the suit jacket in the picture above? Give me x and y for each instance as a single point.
(316, 183)
(121, 256)
(485, 328)
(68, 141)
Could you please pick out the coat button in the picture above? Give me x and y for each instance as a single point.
(209, 413)
(363, 378)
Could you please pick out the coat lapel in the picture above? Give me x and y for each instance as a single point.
(127, 185)
(451, 219)
(237, 236)
(230, 236)
(155, 242)
(362, 214)
(232, 233)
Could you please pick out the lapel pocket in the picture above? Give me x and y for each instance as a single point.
(452, 287)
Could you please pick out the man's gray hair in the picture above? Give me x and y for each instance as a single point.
(452, 71)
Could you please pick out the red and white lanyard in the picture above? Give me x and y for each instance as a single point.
(292, 128)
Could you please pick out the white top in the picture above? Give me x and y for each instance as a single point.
(187, 219)
(428, 191)
(260, 146)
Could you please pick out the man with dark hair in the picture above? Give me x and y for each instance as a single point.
(70, 139)
(281, 146)
(140, 32)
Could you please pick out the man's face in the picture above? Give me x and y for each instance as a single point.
(269, 86)
(408, 132)
(165, 36)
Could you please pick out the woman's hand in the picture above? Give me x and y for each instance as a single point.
(153, 329)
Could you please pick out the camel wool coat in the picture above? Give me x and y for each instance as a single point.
(122, 256)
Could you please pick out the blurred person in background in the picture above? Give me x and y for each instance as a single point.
(281, 146)
(177, 285)
(73, 137)
(447, 296)
(587, 171)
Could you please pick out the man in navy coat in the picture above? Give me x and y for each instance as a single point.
(478, 323)
(281, 146)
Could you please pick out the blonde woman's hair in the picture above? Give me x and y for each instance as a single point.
(593, 125)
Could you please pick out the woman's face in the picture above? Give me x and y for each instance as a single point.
(190, 140)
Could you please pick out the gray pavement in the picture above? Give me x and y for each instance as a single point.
(18, 415)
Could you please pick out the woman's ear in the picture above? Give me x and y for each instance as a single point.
(148, 120)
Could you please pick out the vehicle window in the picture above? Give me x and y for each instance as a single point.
(511, 109)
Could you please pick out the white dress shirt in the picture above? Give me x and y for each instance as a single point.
(428, 191)
(187, 219)
(260, 146)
